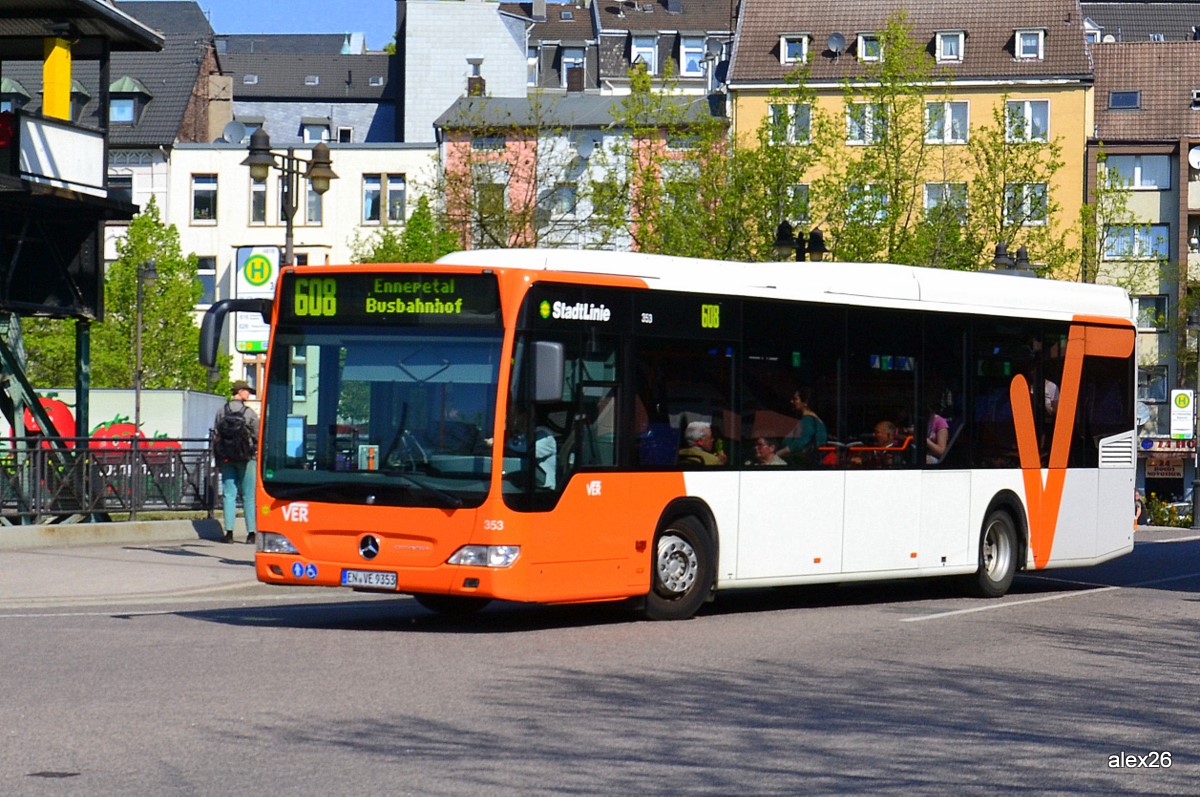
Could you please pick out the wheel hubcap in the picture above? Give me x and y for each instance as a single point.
(996, 552)
(677, 564)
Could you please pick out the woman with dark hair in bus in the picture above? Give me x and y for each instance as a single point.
(801, 445)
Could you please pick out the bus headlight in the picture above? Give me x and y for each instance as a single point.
(485, 555)
(274, 543)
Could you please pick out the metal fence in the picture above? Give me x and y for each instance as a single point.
(89, 479)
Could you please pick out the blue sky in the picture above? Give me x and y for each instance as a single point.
(375, 18)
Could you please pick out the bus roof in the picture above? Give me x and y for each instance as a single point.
(877, 284)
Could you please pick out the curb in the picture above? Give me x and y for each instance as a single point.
(141, 531)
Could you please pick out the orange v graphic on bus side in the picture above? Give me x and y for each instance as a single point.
(1044, 498)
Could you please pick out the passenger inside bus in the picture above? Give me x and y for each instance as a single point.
(801, 446)
(765, 452)
(700, 446)
(886, 451)
(544, 450)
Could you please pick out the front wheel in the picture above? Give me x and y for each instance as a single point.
(452, 605)
(997, 557)
(683, 571)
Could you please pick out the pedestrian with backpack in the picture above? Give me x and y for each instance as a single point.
(235, 444)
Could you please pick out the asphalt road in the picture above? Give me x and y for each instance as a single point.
(165, 669)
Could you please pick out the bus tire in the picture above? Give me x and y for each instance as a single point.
(452, 605)
(997, 557)
(681, 571)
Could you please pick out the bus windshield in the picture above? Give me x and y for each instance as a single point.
(395, 416)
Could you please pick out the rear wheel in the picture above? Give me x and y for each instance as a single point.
(997, 557)
(683, 570)
(452, 605)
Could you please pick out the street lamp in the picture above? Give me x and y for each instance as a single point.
(319, 173)
(147, 274)
(1003, 261)
(787, 242)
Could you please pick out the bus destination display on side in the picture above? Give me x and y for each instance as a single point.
(395, 299)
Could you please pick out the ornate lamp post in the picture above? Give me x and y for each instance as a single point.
(319, 173)
(786, 242)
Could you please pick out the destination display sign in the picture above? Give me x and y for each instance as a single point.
(328, 296)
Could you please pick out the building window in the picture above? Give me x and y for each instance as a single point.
(249, 80)
(870, 47)
(299, 381)
(1124, 100)
(395, 187)
(122, 110)
(691, 56)
(644, 50)
(345, 135)
(950, 46)
(384, 190)
(866, 123)
(572, 58)
(204, 197)
(488, 142)
(314, 209)
(1029, 44)
(1137, 242)
(868, 204)
(206, 276)
(1028, 120)
(793, 49)
(372, 197)
(791, 123)
(258, 201)
(531, 66)
(312, 132)
(1152, 379)
(1025, 204)
(120, 188)
(1141, 172)
(798, 208)
(312, 80)
(949, 196)
(561, 201)
(1152, 314)
(375, 80)
(946, 122)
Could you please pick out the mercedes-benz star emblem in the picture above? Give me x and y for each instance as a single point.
(368, 547)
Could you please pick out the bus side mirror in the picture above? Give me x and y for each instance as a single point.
(214, 320)
(547, 370)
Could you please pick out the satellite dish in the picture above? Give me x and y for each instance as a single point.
(836, 43)
(1143, 413)
(1194, 157)
(234, 132)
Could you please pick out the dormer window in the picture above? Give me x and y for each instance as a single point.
(126, 99)
(691, 56)
(950, 46)
(870, 47)
(793, 48)
(13, 95)
(644, 50)
(79, 99)
(1029, 44)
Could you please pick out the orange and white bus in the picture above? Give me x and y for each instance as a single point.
(565, 426)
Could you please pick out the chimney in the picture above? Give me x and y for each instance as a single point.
(476, 86)
(539, 10)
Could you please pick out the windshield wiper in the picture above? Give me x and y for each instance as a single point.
(452, 501)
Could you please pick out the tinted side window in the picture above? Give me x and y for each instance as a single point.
(883, 347)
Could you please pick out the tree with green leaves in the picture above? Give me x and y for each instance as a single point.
(170, 337)
(422, 239)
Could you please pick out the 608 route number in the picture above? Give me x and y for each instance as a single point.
(315, 296)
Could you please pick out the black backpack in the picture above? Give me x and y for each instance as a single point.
(232, 440)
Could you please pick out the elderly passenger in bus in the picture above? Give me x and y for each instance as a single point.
(699, 451)
(885, 450)
(764, 452)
